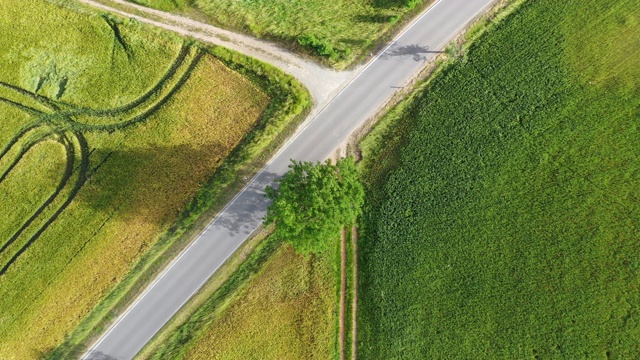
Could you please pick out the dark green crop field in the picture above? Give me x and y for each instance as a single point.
(508, 223)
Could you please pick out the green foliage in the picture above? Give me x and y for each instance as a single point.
(313, 202)
(410, 4)
(319, 46)
(505, 221)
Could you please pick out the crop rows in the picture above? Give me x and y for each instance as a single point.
(506, 223)
(66, 124)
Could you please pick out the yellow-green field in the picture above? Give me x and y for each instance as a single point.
(108, 130)
(287, 310)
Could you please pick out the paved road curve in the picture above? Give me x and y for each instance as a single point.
(360, 100)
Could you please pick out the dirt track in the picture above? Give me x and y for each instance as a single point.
(322, 82)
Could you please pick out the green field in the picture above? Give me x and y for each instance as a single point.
(108, 130)
(277, 305)
(338, 32)
(502, 218)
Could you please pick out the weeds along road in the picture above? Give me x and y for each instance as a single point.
(361, 98)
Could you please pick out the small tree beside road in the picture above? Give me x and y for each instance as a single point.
(313, 202)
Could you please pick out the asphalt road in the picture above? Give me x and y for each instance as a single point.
(359, 100)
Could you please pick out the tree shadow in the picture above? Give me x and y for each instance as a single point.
(247, 210)
(415, 51)
(135, 187)
(141, 186)
(148, 185)
(354, 42)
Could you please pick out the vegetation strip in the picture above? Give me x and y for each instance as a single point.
(343, 292)
(354, 291)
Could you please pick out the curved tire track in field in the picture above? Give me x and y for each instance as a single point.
(43, 100)
(166, 77)
(68, 173)
(30, 143)
(61, 127)
(16, 138)
(79, 182)
(153, 107)
(28, 109)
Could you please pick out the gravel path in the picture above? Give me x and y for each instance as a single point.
(323, 83)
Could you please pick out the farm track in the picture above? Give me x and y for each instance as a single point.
(323, 83)
(66, 124)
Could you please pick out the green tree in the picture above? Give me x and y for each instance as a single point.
(312, 203)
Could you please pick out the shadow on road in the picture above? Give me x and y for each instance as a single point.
(99, 355)
(246, 212)
(415, 51)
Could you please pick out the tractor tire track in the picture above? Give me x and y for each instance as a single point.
(61, 124)
(80, 180)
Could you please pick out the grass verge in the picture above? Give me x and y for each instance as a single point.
(349, 294)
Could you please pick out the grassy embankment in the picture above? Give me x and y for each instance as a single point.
(337, 32)
(502, 218)
(108, 133)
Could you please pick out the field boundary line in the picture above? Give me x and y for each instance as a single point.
(354, 305)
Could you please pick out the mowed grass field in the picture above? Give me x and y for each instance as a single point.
(287, 310)
(337, 31)
(503, 215)
(108, 130)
